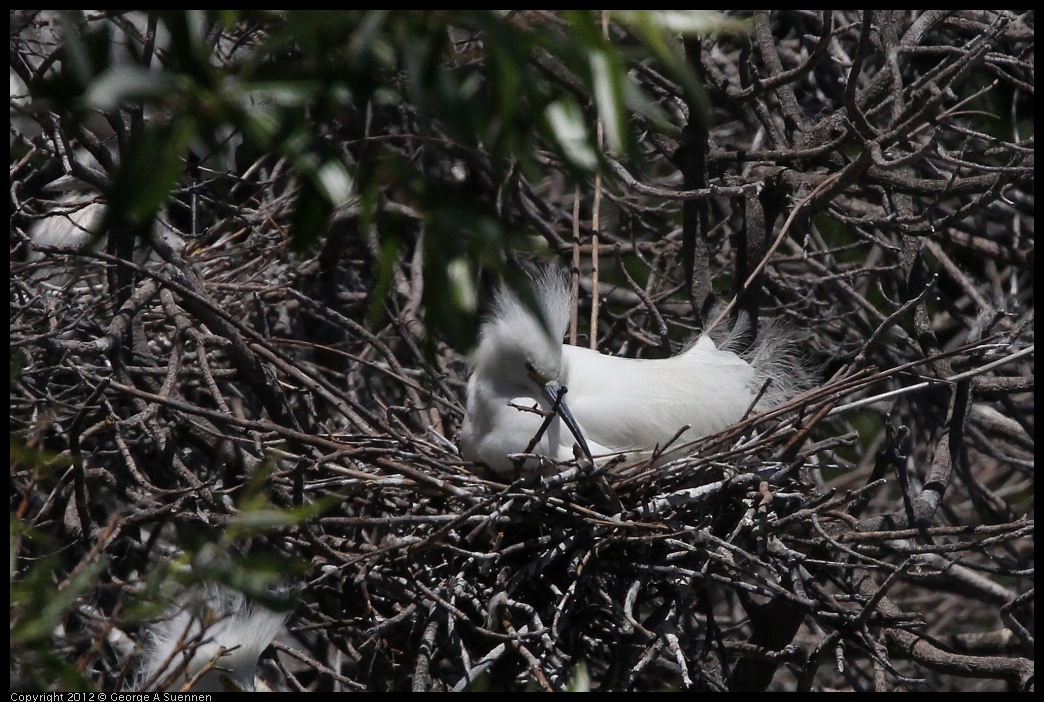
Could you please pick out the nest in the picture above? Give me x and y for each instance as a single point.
(698, 572)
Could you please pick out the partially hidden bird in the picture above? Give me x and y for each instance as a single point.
(523, 376)
(209, 642)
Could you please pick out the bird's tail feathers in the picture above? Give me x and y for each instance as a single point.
(774, 350)
(212, 617)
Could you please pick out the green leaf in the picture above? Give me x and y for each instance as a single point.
(566, 122)
(607, 76)
(148, 172)
(685, 22)
(125, 84)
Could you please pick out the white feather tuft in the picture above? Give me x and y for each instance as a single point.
(223, 627)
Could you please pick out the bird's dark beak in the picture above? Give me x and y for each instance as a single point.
(555, 394)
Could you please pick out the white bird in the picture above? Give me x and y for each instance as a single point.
(74, 225)
(607, 404)
(222, 628)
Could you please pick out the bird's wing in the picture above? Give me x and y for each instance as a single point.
(629, 404)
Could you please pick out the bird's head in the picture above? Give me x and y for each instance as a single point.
(521, 344)
(520, 347)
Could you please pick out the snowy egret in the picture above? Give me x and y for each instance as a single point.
(605, 404)
(222, 629)
(75, 225)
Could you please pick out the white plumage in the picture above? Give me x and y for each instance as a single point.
(222, 627)
(619, 404)
(75, 225)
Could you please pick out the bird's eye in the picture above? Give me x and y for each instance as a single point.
(535, 374)
(229, 685)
